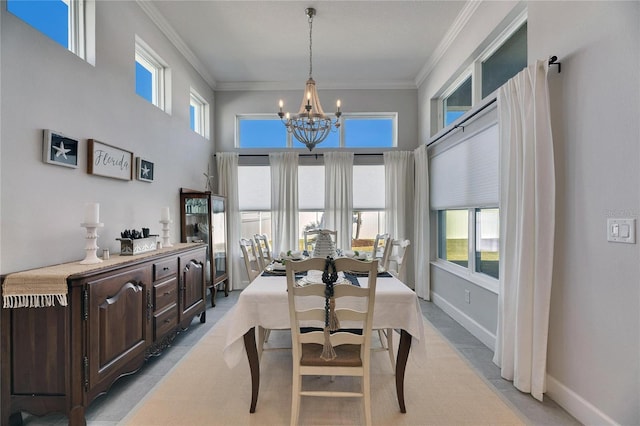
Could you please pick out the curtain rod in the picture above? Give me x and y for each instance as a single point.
(306, 155)
(553, 60)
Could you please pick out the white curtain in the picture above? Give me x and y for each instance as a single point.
(421, 234)
(227, 164)
(527, 221)
(399, 194)
(284, 201)
(338, 195)
(399, 183)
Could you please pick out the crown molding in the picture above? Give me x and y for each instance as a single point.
(166, 29)
(324, 85)
(458, 25)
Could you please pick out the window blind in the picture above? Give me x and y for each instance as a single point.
(464, 167)
(254, 188)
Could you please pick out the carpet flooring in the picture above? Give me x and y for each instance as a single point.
(441, 389)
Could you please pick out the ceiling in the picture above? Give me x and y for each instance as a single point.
(242, 45)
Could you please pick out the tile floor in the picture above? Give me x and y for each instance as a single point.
(108, 410)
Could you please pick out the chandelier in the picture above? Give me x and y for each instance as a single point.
(310, 125)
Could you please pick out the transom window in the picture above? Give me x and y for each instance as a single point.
(150, 75)
(199, 114)
(503, 59)
(69, 23)
(366, 130)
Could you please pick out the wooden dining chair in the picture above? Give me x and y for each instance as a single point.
(264, 250)
(250, 257)
(311, 343)
(396, 260)
(379, 244)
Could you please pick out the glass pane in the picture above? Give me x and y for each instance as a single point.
(50, 17)
(144, 82)
(506, 62)
(256, 133)
(366, 225)
(457, 103)
(252, 223)
(308, 220)
(192, 117)
(487, 241)
(368, 132)
(453, 236)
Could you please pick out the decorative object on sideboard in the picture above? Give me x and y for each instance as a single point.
(144, 170)
(110, 161)
(134, 242)
(165, 220)
(59, 149)
(208, 185)
(91, 223)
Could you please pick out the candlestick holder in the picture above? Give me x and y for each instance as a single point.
(91, 245)
(166, 238)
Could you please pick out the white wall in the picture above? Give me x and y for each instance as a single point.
(46, 87)
(594, 331)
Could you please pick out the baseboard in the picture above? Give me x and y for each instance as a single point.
(480, 333)
(575, 405)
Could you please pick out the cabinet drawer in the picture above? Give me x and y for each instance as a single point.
(165, 321)
(165, 268)
(165, 294)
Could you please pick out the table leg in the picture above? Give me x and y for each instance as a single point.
(401, 364)
(254, 365)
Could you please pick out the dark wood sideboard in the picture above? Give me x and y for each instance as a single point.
(59, 359)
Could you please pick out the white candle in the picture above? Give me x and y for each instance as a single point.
(92, 213)
(164, 216)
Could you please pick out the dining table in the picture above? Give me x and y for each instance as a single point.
(264, 304)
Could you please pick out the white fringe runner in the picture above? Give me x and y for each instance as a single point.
(33, 300)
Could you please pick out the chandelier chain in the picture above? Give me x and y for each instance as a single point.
(310, 45)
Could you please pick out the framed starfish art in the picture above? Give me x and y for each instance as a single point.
(59, 149)
(144, 170)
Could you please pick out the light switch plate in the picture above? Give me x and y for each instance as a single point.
(621, 230)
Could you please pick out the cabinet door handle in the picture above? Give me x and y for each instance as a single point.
(166, 268)
(166, 293)
(167, 321)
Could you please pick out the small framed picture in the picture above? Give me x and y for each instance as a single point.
(110, 161)
(59, 149)
(144, 170)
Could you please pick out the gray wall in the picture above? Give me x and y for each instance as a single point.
(594, 331)
(46, 87)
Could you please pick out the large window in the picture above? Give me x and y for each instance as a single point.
(151, 76)
(370, 130)
(68, 22)
(254, 186)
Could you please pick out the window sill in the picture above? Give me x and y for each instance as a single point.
(481, 280)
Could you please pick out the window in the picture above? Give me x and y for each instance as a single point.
(260, 131)
(457, 103)
(151, 73)
(453, 236)
(254, 186)
(502, 59)
(199, 114)
(487, 241)
(508, 60)
(464, 191)
(370, 130)
(70, 23)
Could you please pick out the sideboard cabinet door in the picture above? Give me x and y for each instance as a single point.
(119, 325)
(192, 287)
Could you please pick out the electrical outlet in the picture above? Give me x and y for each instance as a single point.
(467, 296)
